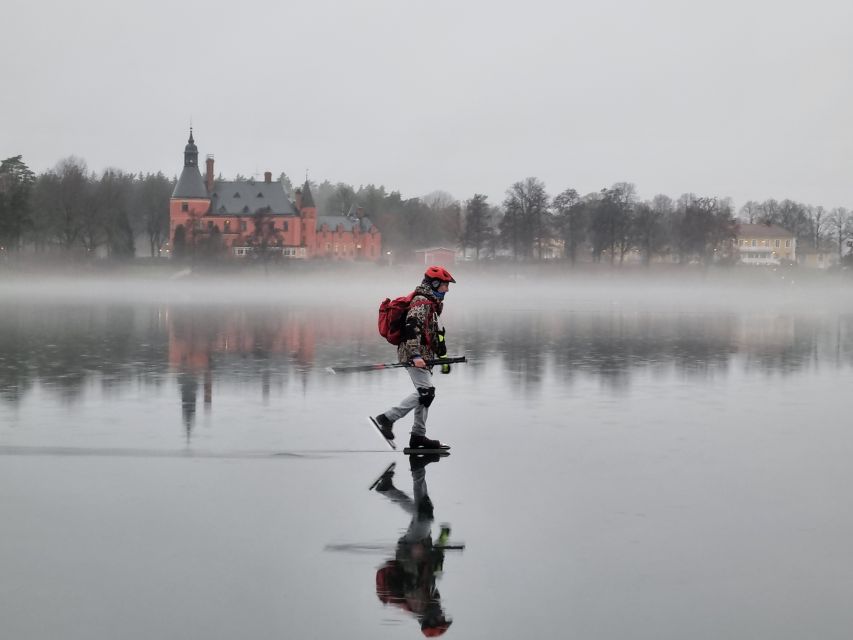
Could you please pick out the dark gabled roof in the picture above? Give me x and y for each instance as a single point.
(239, 198)
(307, 198)
(349, 224)
(762, 231)
(190, 184)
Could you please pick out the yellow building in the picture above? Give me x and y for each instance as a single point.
(765, 244)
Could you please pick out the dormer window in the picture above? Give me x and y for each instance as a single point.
(236, 194)
(245, 209)
(260, 195)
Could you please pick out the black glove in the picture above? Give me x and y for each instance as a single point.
(441, 347)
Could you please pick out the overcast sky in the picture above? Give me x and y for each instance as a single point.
(750, 99)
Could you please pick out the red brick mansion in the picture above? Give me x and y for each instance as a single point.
(250, 218)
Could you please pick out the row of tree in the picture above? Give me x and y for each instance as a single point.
(75, 210)
(529, 224)
(613, 222)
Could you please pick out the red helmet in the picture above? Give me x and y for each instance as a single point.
(437, 630)
(438, 273)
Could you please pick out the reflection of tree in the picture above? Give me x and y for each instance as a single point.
(63, 346)
(188, 384)
(614, 346)
(783, 344)
(524, 363)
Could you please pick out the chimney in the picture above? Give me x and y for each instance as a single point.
(298, 195)
(267, 176)
(208, 181)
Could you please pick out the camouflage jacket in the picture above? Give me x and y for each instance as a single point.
(420, 333)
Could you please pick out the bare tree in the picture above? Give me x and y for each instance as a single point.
(150, 209)
(611, 222)
(570, 219)
(527, 221)
(707, 227)
(817, 216)
(61, 200)
(767, 212)
(749, 211)
(649, 229)
(111, 206)
(841, 227)
(445, 212)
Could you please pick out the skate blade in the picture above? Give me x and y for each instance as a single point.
(390, 443)
(381, 475)
(426, 452)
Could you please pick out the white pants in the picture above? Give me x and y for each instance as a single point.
(422, 379)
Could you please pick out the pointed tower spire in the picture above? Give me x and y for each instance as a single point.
(190, 184)
(307, 198)
(191, 152)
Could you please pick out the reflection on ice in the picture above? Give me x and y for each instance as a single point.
(408, 580)
(66, 349)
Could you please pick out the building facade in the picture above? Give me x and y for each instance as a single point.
(251, 218)
(765, 244)
(435, 255)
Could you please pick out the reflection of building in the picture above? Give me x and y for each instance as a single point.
(203, 340)
(194, 337)
(251, 218)
(821, 258)
(765, 244)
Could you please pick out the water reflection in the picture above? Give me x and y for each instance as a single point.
(63, 348)
(408, 580)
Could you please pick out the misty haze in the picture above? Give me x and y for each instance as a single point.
(385, 320)
(617, 444)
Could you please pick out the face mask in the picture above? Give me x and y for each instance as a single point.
(439, 294)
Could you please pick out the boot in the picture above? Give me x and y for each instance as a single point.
(385, 482)
(425, 507)
(419, 461)
(422, 442)
(386, 426)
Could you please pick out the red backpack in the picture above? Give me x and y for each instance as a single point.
(392, 317)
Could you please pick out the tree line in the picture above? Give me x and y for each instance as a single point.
(77, 212)
(530, 224)
(74, 210)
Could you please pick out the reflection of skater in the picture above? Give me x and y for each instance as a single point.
(408, 581)
(423, 339)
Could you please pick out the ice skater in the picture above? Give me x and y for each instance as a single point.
(422, 341)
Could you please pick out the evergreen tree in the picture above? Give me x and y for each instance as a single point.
(477, 228)
(16, 182)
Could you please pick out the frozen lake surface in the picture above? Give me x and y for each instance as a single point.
(178, 469)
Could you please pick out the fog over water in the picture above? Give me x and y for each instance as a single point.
(633, 456)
